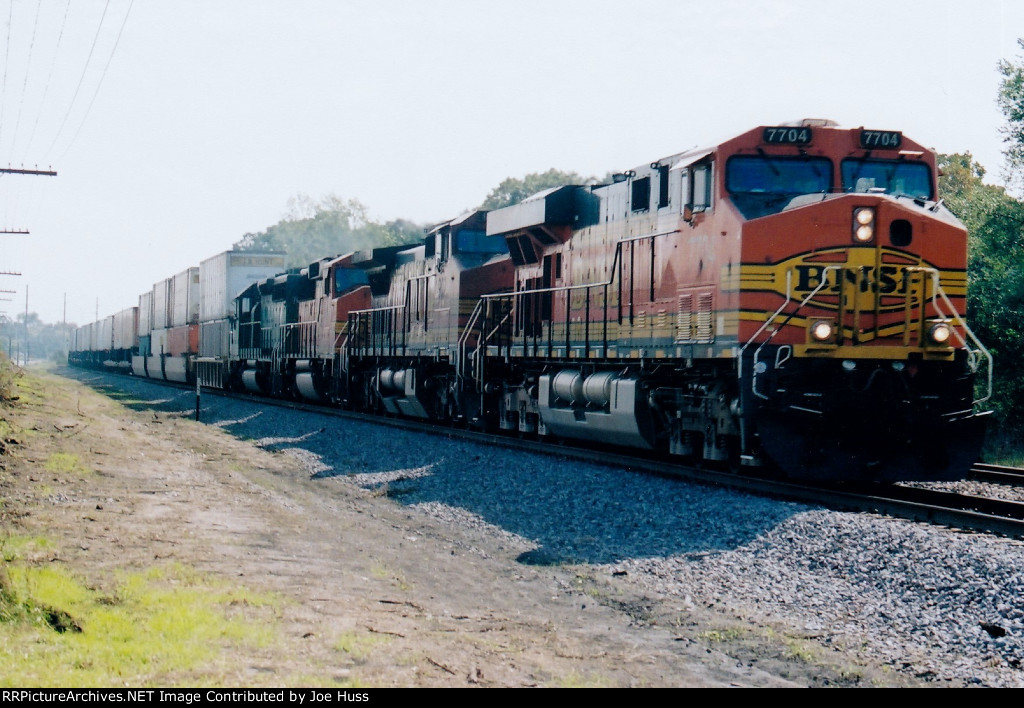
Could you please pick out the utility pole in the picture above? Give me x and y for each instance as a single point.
(26, 324)
(22, 171)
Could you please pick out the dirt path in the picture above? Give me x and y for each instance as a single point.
(375, 593)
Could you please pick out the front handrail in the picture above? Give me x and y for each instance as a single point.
(975, 350)
(774, 316)
(973, 360)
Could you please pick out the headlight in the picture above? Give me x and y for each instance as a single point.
(863, 224)
(822, 330)
(939, 333)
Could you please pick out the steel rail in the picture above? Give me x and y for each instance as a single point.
(965, 512)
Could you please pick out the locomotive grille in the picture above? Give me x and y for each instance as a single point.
(695, 325)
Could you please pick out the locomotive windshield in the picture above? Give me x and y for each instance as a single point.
(762, 184)
(912, 179)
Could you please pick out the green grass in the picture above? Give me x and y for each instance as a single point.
(165, 627)
(358, 646)
(65, 463)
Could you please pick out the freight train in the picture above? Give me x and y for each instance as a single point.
(792, 298)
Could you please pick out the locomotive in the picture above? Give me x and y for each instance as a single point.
(793, 297)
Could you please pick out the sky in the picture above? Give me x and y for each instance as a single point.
(175, 128)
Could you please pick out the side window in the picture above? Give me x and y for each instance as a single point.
(641, 197)
(663, 186)
(700, 194)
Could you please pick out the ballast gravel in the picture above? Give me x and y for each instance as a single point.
(935, 603)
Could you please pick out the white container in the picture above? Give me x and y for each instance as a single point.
(105, 340)
(126, 329)
(145, 313)
(223, 276)
(163, 297)
(185, 298)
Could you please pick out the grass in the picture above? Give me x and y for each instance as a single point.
(9, 376)
(384, 572)
(358, 646)
(166, 626)
(65, 463)
(576, 680)
(722, 635)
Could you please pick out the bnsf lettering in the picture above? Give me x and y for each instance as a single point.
(888, 280)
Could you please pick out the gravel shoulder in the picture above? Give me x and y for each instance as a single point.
(413, 560)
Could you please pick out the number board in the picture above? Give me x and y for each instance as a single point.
(787, 135)
(881, 139)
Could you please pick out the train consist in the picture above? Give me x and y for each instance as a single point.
(792, 297)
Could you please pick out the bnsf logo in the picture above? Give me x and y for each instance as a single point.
(887, 280)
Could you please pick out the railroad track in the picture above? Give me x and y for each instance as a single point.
(951, 509)
(997, 474)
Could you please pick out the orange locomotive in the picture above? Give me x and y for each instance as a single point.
(795, 295)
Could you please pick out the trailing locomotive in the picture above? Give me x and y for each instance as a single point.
(794, 296)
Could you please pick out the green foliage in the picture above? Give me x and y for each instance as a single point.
(995, 223)
(9, 375)
(332, 226)
(1011, 103)
(512, 190)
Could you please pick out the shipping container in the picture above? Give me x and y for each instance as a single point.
(183, 340)
(126, 329)
(163, 298)
(105, 338)
(185, 298)
(145, 313)
(158, 342)
(225, 275)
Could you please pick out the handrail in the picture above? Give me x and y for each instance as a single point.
(975, 349)
(789, 282)
(464, 339)
(972, 355)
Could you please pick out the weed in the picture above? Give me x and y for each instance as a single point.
(10, 373)
(65, 463)
(383, 572)
(721, 635)
(575, 680)
(358, 646)
(164, 626)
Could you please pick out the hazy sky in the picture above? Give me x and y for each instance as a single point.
(210, 114)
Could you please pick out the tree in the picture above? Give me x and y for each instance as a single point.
(1011, 103)
(995, 223)
(513, 190)
(313, 229)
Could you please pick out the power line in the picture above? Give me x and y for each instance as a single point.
(7, 63)
(100, 82)
(81, 79)
(49, 77)
(24, 84)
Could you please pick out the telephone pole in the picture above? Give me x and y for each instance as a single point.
(38, 172)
